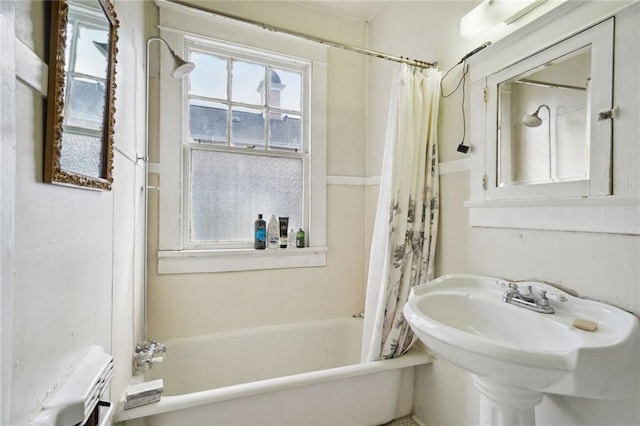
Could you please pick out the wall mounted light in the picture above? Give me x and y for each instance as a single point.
(493, 13)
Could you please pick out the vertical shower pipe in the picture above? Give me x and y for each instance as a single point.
(181, 69)
(549, 138)
(145, 161)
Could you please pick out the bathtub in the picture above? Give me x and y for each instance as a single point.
(294, 374)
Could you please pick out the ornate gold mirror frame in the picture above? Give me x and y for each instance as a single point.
(81, 94)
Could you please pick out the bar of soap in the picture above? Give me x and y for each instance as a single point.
(585, 325)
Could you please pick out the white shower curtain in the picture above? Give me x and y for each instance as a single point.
(404, 236)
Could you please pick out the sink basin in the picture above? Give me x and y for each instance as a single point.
(464, 319)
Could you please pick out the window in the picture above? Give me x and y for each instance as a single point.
(86, 69)
(250, 139)
(247, 145)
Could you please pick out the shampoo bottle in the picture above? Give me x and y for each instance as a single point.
(260, 234)
(273, 232)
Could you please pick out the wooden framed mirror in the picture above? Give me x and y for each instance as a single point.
(81, 94)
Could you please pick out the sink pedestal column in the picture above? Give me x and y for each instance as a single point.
(504, 405)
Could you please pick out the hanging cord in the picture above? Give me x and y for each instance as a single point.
(463, 79)
(462, 82)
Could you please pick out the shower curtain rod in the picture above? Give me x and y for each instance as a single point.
(363, 51)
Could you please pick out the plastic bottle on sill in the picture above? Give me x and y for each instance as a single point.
(260, 234)
(273, 232)
(300, 239)
(292, 238)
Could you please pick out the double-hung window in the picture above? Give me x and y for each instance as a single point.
(249, 140)
(247, 148)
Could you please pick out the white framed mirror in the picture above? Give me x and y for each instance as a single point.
(544, 138)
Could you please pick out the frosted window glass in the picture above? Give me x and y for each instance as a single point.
(208, 121)
(247, 127)
(209, 78)
(81, 154)
(247, 83)
(286, 90)
(229, 190)
(85, 104)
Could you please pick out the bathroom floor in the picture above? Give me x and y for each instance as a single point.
(402, 421)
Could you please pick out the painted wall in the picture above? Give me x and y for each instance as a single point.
(596, 265)
(195, 304)
(78, 255)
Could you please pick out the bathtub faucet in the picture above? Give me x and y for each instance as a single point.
(539, 303)
(146, 353)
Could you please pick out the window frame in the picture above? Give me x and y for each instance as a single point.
(179, 26)
(216, 48)
(81, 18)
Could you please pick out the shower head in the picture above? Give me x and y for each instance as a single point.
(181, 67)
(533, 120)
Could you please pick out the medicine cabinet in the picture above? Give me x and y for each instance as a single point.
(542, 129)
(544, 136)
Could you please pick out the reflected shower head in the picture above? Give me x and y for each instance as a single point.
(533, 120)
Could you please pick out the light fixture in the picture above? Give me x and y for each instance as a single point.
(534, 120)
(491, 13)
(181, 68)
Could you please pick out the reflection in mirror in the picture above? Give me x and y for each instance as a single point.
(543, 124)
(80, 124)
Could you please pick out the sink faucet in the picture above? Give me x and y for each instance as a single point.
(539, 303)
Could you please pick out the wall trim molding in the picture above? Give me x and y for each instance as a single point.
(7, 198)
(347, 180)
(30, 69)
(446, 167)
(455, 166)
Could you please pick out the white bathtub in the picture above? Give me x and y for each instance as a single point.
(293, 374)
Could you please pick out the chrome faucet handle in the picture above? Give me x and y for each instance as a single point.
(543, 301)
(141, 347)
(160, 347)
(513, 286)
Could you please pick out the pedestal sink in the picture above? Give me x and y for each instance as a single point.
(515, 354)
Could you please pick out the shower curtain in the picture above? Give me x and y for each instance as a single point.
(404, 236)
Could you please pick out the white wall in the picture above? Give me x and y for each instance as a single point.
(77, 254)
(596, 265)
(195, 304)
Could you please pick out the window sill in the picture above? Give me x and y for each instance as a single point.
(203, 261)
